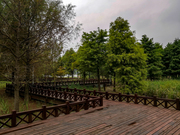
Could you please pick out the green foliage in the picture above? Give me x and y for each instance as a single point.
(171, 59)
(91, 55)
(67, 61)
(154, 57)
(125, 57)
(163, 88)
(4, 108)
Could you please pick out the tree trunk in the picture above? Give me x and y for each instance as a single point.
(26, 93)
(72, 74)
(99, 88)
(16, 82)
(114, 82)
(84, 76)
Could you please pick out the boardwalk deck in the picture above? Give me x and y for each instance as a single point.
(111, 119)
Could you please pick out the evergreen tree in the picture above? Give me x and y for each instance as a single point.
(126, 58)
(154, 57)
(171, 59)
(91, 55)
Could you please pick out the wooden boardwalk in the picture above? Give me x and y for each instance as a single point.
(112, 119)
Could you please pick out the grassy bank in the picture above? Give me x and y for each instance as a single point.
(163, 88)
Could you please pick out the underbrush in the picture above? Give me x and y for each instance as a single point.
(161, 88)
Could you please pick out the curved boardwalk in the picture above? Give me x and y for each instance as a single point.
(111, 119)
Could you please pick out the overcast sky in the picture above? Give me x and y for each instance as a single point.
(158, 19)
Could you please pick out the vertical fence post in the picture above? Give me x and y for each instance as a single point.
(104, 86)
(30, 118)
(75, 96)
(145, 99)
(87, 96)
(67, 108)
(155, 101)
(65, 95)
(44, 112)
(101, 100)
(86, 107)
(75, 90)
(84, 91)
(48, 92)
(59, 88)
(13, 120)
(94, 92)
(107, 95)
(67, 89)
(56, 94)
(177, 104)
(135, 99)
(120, 98)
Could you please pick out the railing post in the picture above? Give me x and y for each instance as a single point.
(44, 112)
(67, 108)
(48, 92)
(104, 86)
(67, 89)
(101, 100)
(86, 107)
(13, 120)
(135, 99)
(84, 91)
(75, 90)
(145, 99)
(75, 96)
(56, 94)
(59, 88)
(94, 92)
(120, 99)
(155, 101)
(65, 95)
(107, 95)
(177, 104)
(87, 96)
(30, 118)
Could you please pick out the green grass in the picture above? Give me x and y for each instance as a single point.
(3, 84)
(163, 88)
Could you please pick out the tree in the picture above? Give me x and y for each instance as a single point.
(171, 59)
(30, 27)
(154, 57)
(91, 55)
(68, 59)
(126, 58)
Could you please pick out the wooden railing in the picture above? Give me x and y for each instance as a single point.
(80, 102)
(61, 83)
(145, 100)
(16, 118)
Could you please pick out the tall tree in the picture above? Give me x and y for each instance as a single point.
(126, 58)
(154, 57)
(30, 27)
(91, 55)
(68, 59)
(171, 59)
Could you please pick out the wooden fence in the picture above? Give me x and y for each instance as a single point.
(152, 101)
(87, 82)
(80, 102)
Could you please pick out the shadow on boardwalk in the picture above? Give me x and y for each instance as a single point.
(112, 118)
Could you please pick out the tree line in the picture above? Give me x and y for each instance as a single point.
(117, 53)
